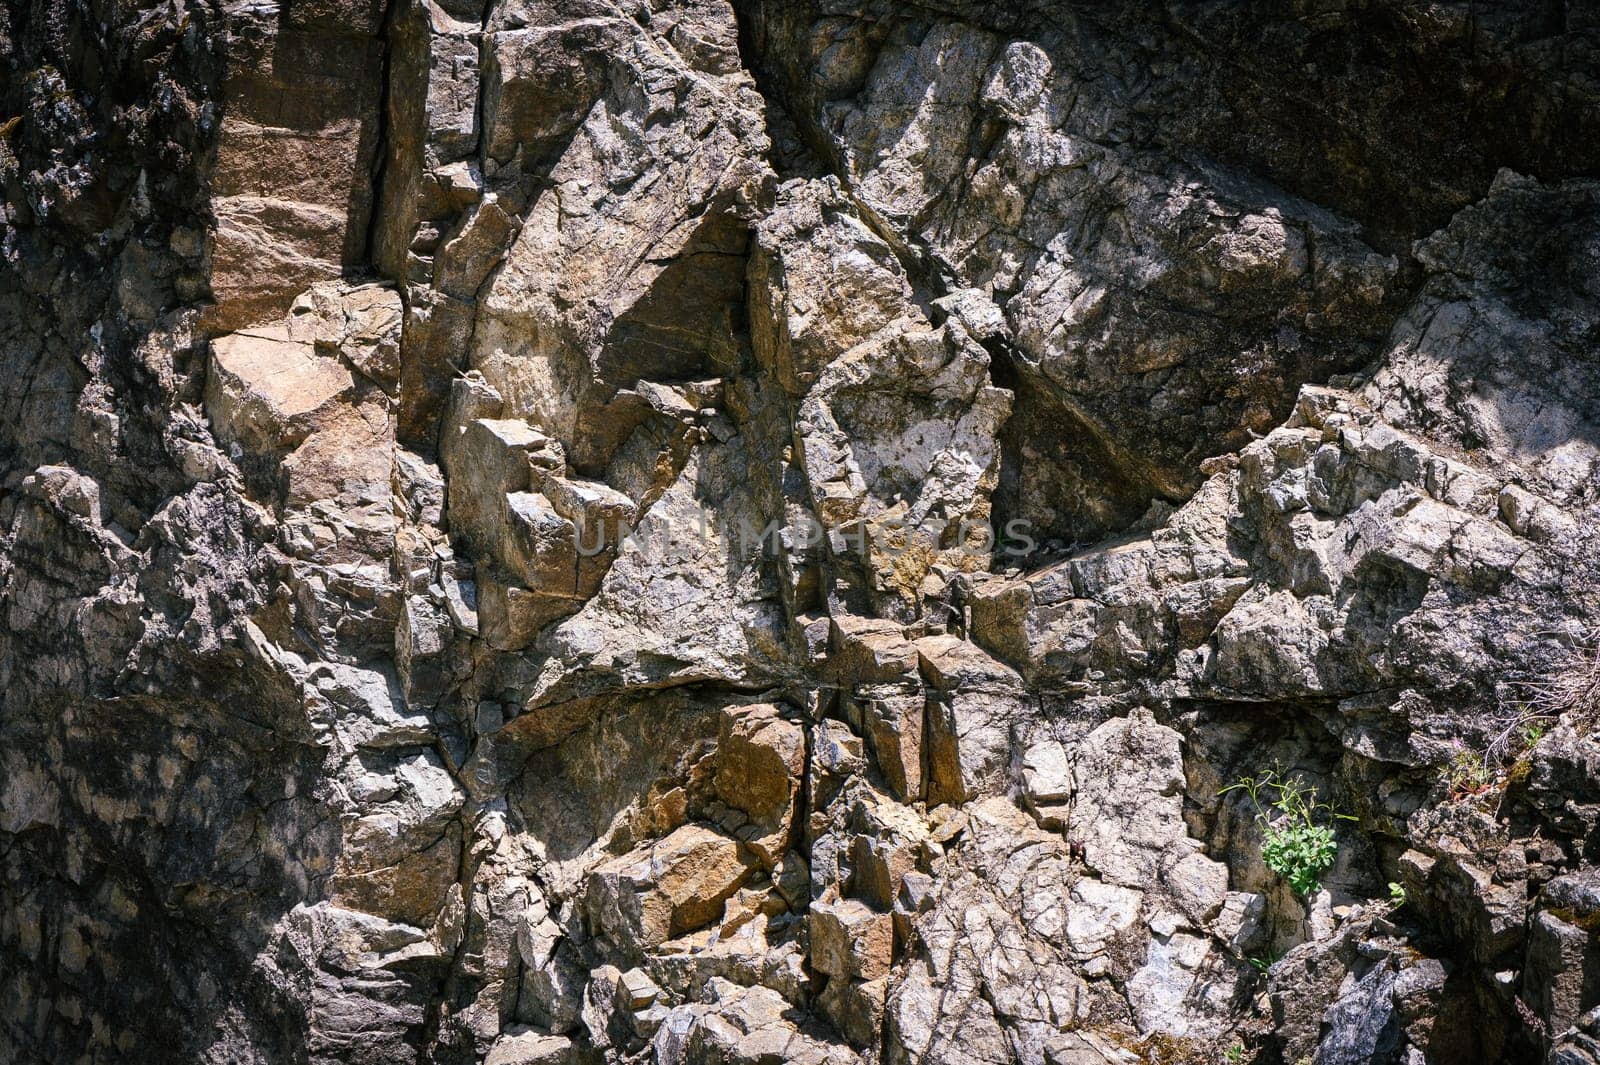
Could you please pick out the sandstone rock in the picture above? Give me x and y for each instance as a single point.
(267, 390)
(294, 154)
(666, 888)
(893, 719)
(642, 992)
(360, 324)
(850, 940)
(869, 650)
(760, 758)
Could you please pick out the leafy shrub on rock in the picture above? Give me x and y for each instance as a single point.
(1299, 844)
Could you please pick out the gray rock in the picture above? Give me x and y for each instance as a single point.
(695, 531)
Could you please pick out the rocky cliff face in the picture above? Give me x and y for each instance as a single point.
(561, 531)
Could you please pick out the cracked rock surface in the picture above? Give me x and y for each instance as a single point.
(724, 532)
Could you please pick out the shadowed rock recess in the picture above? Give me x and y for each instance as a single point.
(549, 532)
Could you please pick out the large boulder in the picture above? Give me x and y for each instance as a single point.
(666, 888)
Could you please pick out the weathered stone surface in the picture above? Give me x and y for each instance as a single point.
(668, 887)
(973, 705)
(1128, 810)
(266, 389)
(1578, 1045)
(533, 1048)
(850, 940)
(299, 132)
(1046, 773)
(760, 760)
(727, 531)
(894, 719)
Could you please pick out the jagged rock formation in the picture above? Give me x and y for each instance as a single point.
(678, 531)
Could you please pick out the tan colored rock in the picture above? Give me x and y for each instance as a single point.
(602, 514)
(855, 1008)
(600, 517)
(869, 650)
(539, 545)
(887, 842)
(553, 973)
(644, 319)
(896, 420)
(760, 757)
(286, 392)
(292, 186)
(361, 325)
(666, 888)
(968, 725)
(411, 891)
(347, 462)
(266, 391)
(641, 990)
(510, 617)
(543, 81)
(486, 459)
(676, 606)
(850, 939)
(531, 1047)
(824, 282)
(612, 280)
(892, 719)
(402, 856)
(663, 810)
(969, 742)
(949, 663)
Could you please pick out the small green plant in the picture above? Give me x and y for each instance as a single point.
(1397, 894)
(1299, 842)
(1528, 737)
(1260, 965)
(1468, 773)
(1234, 1055)
(1505, 761)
